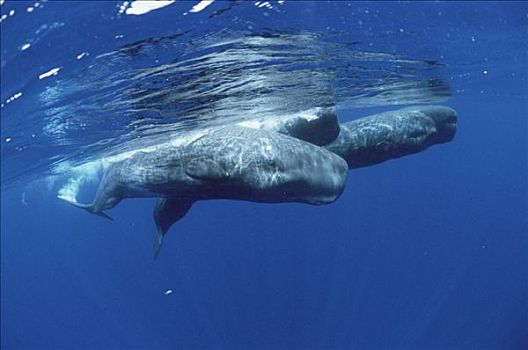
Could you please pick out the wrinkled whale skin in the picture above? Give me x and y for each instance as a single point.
(229, 163)
(394, 134)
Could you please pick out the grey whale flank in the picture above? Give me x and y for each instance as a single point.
(285, 162)
(371, 140)
(232, 162)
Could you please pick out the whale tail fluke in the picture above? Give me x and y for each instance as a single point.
(87, 207)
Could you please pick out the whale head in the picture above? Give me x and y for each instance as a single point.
(445, 120)
(263, 166)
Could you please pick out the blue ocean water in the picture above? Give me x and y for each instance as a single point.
(428, 251)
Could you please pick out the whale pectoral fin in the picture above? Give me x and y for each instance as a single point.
(206, 169)
(166, 212)
(88, 207)
(157, 245)
(104, 215)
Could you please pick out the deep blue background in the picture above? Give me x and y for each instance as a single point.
(423, 252)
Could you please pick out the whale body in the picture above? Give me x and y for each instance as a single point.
(369, 140)
(374, 139)
(228, 163)
(268, 160)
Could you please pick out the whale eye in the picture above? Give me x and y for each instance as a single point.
(271, 162)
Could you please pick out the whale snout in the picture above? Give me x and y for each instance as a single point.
(335, 180)
(445, 120)
(318, 180)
